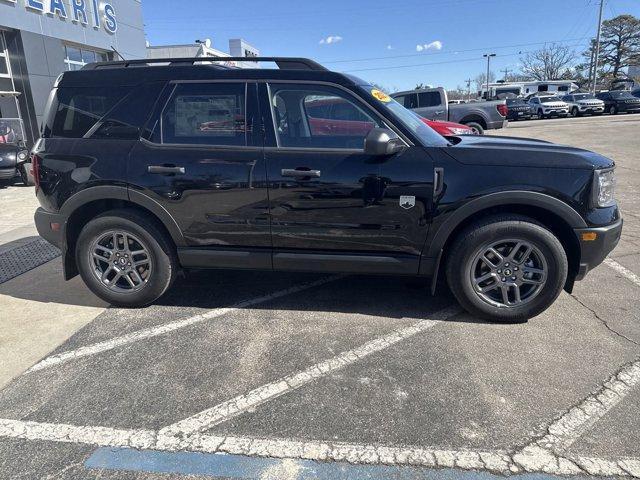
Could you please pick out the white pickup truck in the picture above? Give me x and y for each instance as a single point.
(432, 103)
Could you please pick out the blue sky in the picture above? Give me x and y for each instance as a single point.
(395, 44)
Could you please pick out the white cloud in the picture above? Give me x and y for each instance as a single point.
(389, 47)
(435, 45)
(331, 39)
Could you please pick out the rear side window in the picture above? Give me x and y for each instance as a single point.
(429, 99)
(205, 114)
(77, 110)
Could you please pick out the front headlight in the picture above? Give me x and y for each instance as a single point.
(460, 131)
(604, 183)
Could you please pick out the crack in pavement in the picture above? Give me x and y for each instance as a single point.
(603, 321)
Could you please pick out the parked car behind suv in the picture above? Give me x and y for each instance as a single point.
(583, 103)
(14, 156)
(519, 109)
(619, 101)
(548, 106)
(432, 103)
(133, 189)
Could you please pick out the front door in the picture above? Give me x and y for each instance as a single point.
(332, 206)
(202, 164)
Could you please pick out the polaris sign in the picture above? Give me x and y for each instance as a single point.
(102, 13)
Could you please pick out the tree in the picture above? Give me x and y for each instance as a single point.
(619, 46)
(552, 62)
(481, 80)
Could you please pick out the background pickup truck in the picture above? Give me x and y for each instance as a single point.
(432, 103)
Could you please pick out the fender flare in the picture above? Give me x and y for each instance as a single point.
(121, 192)
(514, 197)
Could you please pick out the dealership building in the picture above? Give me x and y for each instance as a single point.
(40, 39)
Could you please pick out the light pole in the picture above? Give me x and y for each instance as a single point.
(597, 49)
(488, 57)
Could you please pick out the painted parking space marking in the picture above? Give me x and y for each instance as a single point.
(116, 342)
(624, 271)
(224, 411)
(142, 441)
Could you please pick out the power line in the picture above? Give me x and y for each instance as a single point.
(451, 52)
(475, 59)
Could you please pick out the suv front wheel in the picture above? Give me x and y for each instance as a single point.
(125, 259)
(506, 268)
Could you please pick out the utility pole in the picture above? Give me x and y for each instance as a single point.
(597, 52)
(488, 57)
(506, 72)
(468, 80)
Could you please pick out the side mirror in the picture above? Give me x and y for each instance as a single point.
(22, 144)
(382, 141)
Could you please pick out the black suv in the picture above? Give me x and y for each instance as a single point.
(619, 101)
(144, 169)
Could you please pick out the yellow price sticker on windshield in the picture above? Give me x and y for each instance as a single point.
(380, 95)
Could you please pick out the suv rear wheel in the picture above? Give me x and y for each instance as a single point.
(125, 259)
(506, 268)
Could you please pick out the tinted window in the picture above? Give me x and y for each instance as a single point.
(429, 99)
(408, 101)
(319, 117)
(205, 113)
(76, 110)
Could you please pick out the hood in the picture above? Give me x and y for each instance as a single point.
(512, 151)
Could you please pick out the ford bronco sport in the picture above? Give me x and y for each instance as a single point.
(147, 167)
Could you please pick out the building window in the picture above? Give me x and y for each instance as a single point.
(4, 58)
(75, 58)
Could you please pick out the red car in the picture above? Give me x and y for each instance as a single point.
(448, 128)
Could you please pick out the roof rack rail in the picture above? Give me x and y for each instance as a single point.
(284, 63)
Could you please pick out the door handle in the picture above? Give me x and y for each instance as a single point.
(166, 169)
(439, 112)
(299, 173)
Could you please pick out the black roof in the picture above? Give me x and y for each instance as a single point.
(135, 72)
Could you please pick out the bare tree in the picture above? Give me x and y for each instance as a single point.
(553, 62)
(481, 80)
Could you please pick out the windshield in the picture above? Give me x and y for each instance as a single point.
(622, 94)
(11, 130)
(583, 96)
(549, 99)
(408, 119)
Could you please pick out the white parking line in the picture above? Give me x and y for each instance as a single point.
(169, 327)
(484, 460)
(224, 411)
(624, 271)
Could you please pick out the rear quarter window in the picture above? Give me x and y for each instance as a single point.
(74, 111)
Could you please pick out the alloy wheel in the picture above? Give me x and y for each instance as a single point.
(508, 273)
(121, 261)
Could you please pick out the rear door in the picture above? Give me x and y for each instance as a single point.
(431, 105)
(201, 162)
(332, 206)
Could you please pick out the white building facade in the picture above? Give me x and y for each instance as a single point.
(237, 48)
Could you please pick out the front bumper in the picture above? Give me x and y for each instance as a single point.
(593, 252)
(556, 111)
(8, 173)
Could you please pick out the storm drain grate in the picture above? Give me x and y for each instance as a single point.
(27, 257)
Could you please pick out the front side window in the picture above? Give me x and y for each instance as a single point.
(205, 114)
(307, 116)
(4, 63)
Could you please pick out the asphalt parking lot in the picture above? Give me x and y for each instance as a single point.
(283, 376)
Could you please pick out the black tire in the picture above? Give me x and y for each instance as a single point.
(26, 175)
(575, 112)
(613, 110)
(164, 261)
(478, 129)
(462, 256)
(540, 114)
